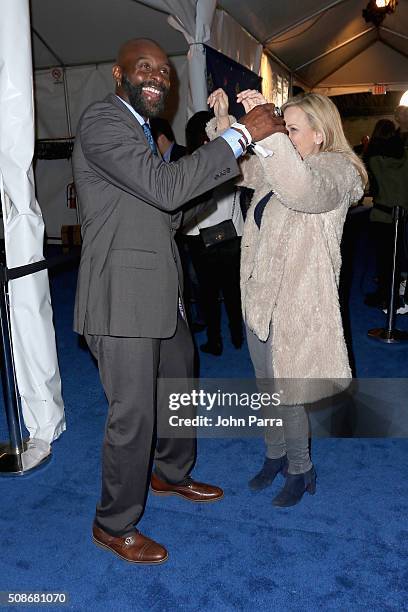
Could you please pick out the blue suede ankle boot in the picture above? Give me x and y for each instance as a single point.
(268, 473)
(295, 486)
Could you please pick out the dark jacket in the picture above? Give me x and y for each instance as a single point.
(129, 199)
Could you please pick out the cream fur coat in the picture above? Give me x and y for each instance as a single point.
(290, 267)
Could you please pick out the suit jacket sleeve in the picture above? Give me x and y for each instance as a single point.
(197, 206)
(116, 148)
(249, 165)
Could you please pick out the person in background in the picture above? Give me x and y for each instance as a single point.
(216, 256)
(163, 135)
(171, 151)
(304, 183)
(386, 159)
(361, 148)
(401, 118)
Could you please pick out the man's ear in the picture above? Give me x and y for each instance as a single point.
(117, 74)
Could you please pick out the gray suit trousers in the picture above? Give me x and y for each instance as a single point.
(129, 369)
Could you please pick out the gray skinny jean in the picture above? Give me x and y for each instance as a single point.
(292, 439)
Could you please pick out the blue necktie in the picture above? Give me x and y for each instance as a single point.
(148, 134)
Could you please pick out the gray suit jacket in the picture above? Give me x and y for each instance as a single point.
(129, 203)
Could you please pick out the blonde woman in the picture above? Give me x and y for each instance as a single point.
(304, 183)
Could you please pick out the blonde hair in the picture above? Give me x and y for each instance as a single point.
(324, 117)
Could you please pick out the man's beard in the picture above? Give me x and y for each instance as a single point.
(137, 100)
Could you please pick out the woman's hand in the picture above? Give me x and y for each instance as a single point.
(250, 98)
(218, 101)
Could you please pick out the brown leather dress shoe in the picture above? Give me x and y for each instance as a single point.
(189, 489)
(135, 548)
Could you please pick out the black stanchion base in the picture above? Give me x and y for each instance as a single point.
(388, 336)
(9, 462)
(13, 464)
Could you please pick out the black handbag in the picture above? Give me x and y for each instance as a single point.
(218, 233)
(215, 234)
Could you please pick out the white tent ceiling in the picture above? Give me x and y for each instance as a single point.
(325, 43)
(91, 31)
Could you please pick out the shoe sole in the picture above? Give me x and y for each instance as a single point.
(194, 501)
(101, 545)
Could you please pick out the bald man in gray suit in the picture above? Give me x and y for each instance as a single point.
(128, 302)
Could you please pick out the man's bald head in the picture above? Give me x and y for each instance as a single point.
(142, 75)
(131, 49)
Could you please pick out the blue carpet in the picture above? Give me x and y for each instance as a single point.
(346, 548)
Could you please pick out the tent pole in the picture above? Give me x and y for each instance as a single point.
(301, 21)
(336, 48)
(66, 96)
(394, 32)
(326, 76)
(64, 78)
(393, 47)
(67, 109)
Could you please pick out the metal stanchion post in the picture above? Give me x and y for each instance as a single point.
(389, 334)
(16, 457)
(11, 454)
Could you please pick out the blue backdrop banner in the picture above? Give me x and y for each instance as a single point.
(231, 76)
